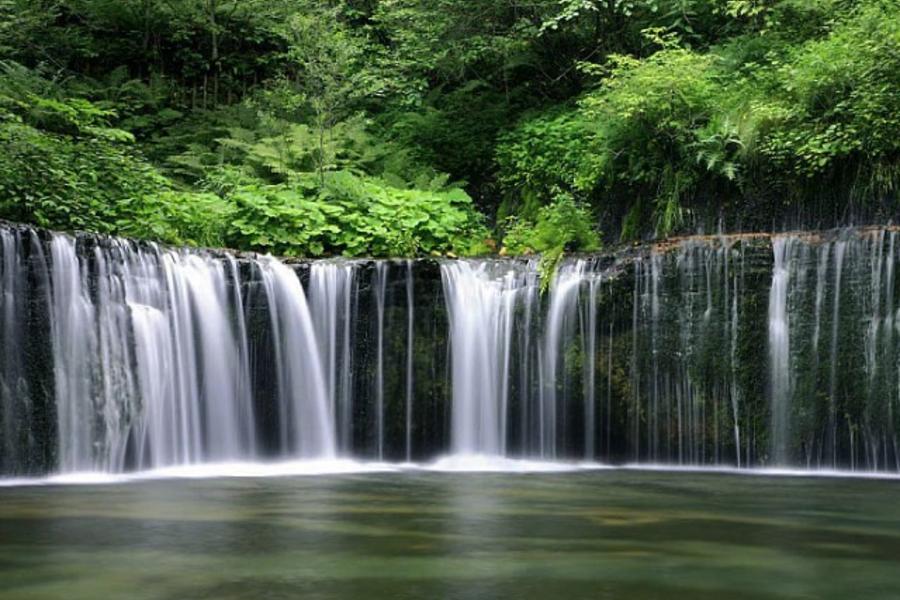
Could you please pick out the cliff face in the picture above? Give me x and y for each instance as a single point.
(743, 350)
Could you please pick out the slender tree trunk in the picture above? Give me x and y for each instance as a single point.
(321, 126)
(211, 6)
(145, 42)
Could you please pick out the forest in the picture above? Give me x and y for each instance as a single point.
(445, 127)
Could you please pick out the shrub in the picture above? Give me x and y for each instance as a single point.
(353, 215)
(561, 226)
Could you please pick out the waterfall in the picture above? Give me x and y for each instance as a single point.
(143, 340)
(410, 354)
(11, 319)
(380, 286)
(149, 353)
(482, 298)
(572, 310)
(839, 251)
(589, 335)
(780, 348)
(75, 355)
(307, 422)
(734, 328)
(488, 302)
(684, 311)
(190, 354)
(742, 351)
(559, 329)
(685, 320)
(332, 285)
(24, 281)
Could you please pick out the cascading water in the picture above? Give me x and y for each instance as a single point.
(332, 285)
(685, 348)
(142, 354)
(11, 325)
(559, 329)
(150, 356)
(571, 315)
(410, 353)
(74, 350)
(27, 422)
(307, 422)
(380, 285)
(716, 359)
(780, 347)
(745, 351)
(482, 299)
(588, 318)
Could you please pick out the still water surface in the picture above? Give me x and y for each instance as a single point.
(563, 536)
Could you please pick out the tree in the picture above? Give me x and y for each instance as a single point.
(319, 74)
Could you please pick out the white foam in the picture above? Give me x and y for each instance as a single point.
(87, 478)
(275, 469)
(469, 463)
(221, 470)
(483, 463)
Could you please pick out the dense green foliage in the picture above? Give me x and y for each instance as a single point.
(404, 127)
